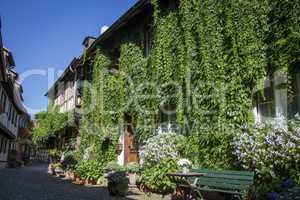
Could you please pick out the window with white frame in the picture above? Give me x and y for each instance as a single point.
(264, 101)
(271, 101)
(9, 111)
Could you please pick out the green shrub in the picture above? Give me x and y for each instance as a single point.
(69, 162)
(91, 170)
(57, 165)
(55, 155)
(155, 177)
(112, 166)
(132, 167)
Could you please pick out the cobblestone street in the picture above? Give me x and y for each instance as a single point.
(33, 183)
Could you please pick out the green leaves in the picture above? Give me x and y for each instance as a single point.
(101, 116)
(156, 179)
(51, 122)
(216, 52)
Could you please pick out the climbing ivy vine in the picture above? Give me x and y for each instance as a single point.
(208, 56)
(135, 73)
(99, 127)
(51, 123)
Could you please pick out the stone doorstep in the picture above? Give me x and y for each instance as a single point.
(92, 186)
(132, 186)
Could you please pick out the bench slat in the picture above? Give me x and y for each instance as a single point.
(222, 180)
(221, 191)
(229, 172)
(229, 177)
(219, 185)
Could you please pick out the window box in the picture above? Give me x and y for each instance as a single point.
(24, 132)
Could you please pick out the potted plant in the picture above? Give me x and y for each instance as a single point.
(58, 169)
(68, 164)
(117, 183)
(132, 170)
(102, 181)
(111, 167)
(51, 169)
(54, 155)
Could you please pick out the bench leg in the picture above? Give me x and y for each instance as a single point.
(198, 195)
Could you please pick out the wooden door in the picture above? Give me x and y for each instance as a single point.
(130, 151)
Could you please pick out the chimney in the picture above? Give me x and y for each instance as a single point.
(103, 29)
(88, 41)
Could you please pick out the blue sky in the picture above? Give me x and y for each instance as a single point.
(45, 34)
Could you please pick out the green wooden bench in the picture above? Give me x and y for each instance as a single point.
(228, 183)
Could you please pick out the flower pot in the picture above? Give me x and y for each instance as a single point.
(67, 175)
(117, 183)
(132, 179)
(72, 175)
(99, 182)
(90, 182)
(117, 188)
(79, 181)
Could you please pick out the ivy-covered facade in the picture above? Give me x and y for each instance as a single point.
(209, 70)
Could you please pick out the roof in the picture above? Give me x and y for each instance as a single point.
(86, 39)
(133, 11)
(71, 66)
(10, 57)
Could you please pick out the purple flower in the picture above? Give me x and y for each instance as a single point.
(288, 183)
(273, 196)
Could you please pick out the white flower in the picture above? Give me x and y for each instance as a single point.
(184, 162)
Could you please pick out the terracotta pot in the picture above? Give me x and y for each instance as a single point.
(72, 175)
(79, 181)
(93, 182)
(99, 182)
(132, 179)
(67, 176)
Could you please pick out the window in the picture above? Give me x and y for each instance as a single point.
(10, 111)
(264, 101)
(12, 116)
(167, 119)
(5, 146)
(1, 96)
(16, 119)
(20, 121)
(4, 102)
(9, 145)
(89, 71)
(1, 140)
